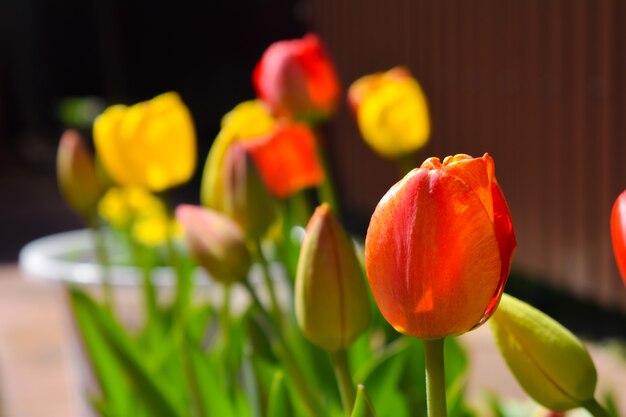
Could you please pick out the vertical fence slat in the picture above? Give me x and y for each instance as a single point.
(539, 84)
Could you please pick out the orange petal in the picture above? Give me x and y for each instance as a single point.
(287, 159)
(432, 256)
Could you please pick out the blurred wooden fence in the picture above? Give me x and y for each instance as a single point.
(540, 85)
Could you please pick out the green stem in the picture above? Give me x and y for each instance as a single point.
(326, 190)
(406, 163)
(225, 316)
(312, 407)
(344, 379)
(435, 378)
(595, 409)
(150, 296)
(269, 282)
(103, 259)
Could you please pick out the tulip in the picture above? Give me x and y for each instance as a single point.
(287, 159)
(76, 175)
(297, 80)
(391, 112)
(548, 361)
(216, 242)
(439, 246)
(151, 144)
(120, 207)
(331, 301)
(247, 121)
(246, 199)
(618, 233)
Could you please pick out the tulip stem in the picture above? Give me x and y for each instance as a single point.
(326, 190)
(103, 259)
(269, 282)
(282, 349)
(595, 409)
(435, 378)
(225, 315)
(344, 379)
(406, 163)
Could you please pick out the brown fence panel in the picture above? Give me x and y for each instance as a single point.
(538, 84)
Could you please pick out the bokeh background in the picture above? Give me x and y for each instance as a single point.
(540, 85)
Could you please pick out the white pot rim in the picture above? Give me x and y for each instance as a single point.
(46, 260)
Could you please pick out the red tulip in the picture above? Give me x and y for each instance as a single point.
(287, 159)
(297, 79)
(618, 233)
(439, 246)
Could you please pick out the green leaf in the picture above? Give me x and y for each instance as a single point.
(107, 369)
(215, 400)
(143, 381)
(611, 405)
(362, 405)
(278, 404)
(383, 377)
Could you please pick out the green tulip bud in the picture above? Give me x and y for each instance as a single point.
(331, 301)
(246, 199)
(548, 361)
(216, 242)
(78, 181)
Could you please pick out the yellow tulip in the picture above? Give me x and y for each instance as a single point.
(150, 144)
(248, 120)
(121, 206)
(391, 111)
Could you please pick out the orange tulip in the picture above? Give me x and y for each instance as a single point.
(439, 246)
(618, 233)
(297, 79)
(287, 159)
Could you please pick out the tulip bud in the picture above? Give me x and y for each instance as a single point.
(391, 111)
(331, 301)
(618, 233)
(547, 360)
(76, 175)
(287, 159)
(216, 243)
(439, 246)
(247, 121)
(297, 80)
(246, 199)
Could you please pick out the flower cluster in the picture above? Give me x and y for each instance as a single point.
(437, 255)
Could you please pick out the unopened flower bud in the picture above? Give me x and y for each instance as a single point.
(216, 242)
(548, 361)
(331, 301)
(76, 175)
(246, 199)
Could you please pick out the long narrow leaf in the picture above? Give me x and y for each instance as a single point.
(144, 382)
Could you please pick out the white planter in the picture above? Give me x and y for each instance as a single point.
(69, 257)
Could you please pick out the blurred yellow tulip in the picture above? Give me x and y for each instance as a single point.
(391, 111)
(248, 120)
(140, 212)
(150, 144)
